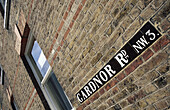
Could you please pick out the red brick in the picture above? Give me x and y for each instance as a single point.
(113, 82)
(65, 35)
(71, 24)
(147, 54)
(81, 107)
(94, 97)
(61, 25)
(110, 84)
(107, 86)
(65, 15)
(52, 62)
(87, 102)
(58, 49)
(62, 42)
(161, 43)
(80, 7)
(77, 13)
(133, 66)
(70, 5)
(83, 2)
(101, 91)
(56, 35)
(121, 76)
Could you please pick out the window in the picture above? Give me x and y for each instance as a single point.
(1, 76)
(45, 77)
(5, 11)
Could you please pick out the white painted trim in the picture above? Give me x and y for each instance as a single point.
(47, 96)
(6, 13)
(46, 75)
(2, 75)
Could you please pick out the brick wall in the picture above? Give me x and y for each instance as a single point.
(79, 37)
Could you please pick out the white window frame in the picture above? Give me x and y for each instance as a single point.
(6, 9)
(42, 82)
(2, 76)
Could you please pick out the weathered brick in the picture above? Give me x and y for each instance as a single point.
(114, 90)
(131, 99)
(128, 80)
(124, 103)
(117, 107)
(147, 78)
(109, 54)
(102, 106)
(163, 13)
(142, 104)
(157, 96)
(96, 13)
(87, 5)
(120, 95)
(132, 107)
(95, 104)
(134, 27)
(150, 88)
(133, 2)
(165, 25)
(163, 68)
(127, 21)
(161, 82)
(110, 102)
(109, 30)
(104, 97)
(135, 12)
(147, 13)
(104, 2)
(143, 3)
(87, 108)
(96, 59)
(132, 87)
(140, 94)
(161, 105)
(151, 64)
(115, 11)
(168, 100)
(150, 107)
